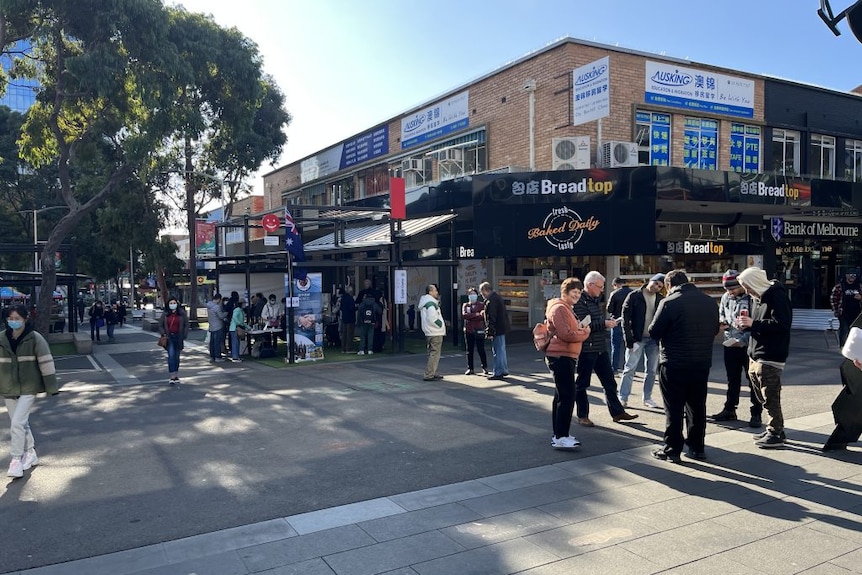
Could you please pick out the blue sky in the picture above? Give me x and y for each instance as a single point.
(345, 66)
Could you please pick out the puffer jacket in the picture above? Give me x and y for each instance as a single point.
(685, 325)
(568, 337)
(30, 369)
(598, 340)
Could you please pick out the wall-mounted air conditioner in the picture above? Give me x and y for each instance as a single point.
(413, 165)
(452, 154)
(571, 153)
(618, 155)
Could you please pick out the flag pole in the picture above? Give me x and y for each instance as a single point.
(291, 358)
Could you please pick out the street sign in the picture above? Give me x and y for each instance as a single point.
(270, 223)
(400, 295)
(270, 240)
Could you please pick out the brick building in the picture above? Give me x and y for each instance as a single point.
(689, 165)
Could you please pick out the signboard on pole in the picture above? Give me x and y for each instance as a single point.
(400, 287)
(592, 91)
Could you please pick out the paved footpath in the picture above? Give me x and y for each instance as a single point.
(743, 511)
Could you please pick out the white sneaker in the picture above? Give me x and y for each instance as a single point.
(650, 403)
(370, 353)
(625, 402)
(29, 459)
(16, 468)
(565, 443)
(360, 352)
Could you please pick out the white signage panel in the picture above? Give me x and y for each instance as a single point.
(592, 91)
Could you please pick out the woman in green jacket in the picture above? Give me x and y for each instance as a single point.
(26, 369)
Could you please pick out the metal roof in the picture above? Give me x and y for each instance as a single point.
(376, 235)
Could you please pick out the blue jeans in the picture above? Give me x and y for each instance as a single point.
(216, 343)
(174, 343)
(501, 362)
(234, 345)
(110, 329)
(648, 347)
(617, 348)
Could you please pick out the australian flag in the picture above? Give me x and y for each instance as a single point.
(293, 243)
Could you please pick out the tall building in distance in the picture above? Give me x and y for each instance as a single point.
(20, 93)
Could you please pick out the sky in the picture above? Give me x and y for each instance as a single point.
(345, 66)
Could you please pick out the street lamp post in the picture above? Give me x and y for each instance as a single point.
(36, 266)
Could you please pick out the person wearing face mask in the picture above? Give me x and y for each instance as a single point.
(271, 316)
(26, 369)
(174, 323)
(473, 313)
(97, 320)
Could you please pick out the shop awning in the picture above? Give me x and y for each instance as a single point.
(376, 235)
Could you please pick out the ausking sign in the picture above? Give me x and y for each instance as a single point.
(270, 223)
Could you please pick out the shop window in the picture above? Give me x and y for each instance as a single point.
(652, 134)
(700, 144)
(373, 181)
(786, 152)
(315, 195)
(821, 156)
(744, 148)
(342, 191)
(853, 160)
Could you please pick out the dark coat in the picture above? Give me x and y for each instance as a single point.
(634, 316)
(496, 315)
(770, 330)
(598, 340)
(615, 302)
(685, 324)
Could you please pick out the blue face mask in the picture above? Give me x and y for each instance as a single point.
(15, 324)
(473, 298)
(172, 305)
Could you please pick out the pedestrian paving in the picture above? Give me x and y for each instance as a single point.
(742, 511)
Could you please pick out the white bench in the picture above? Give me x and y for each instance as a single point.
(816, 320)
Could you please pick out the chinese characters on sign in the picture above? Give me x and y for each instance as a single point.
(657, 127)
(700, 144)
(744, 148)
(434, 121)
(667, 84)
(591, 89)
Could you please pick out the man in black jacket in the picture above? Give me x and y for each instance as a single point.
(595, 355)
(638, 310)
(685, 324)
(497, 319)
(769, 324)
(615, 311)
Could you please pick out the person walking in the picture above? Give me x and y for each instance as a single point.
(473, 313)
(637, 314)
(769, 324)
(561, 357)
(122, 312)
(368, 316)
(174, 324)
(846, 302)
(615, 311)
(685, 325)
(26, 370)
(347, 319)
(81, 309)
(497, 326)
(216, 316)
(735, 303)
(97, 320)
(595, 354)
(237, 321)
(434, 328)
(112, 318)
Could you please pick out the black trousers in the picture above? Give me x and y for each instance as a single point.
(477, 343)
(683, 391)
(736, 363)
(601, 364)
(563, 370)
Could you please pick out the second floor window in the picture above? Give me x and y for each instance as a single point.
(785, 152)
(821, 156)
(853, 160)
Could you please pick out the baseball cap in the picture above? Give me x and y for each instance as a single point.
(657, 278)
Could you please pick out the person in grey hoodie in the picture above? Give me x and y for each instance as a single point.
(216, 316)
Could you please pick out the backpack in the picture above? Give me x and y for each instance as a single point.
(542, 336)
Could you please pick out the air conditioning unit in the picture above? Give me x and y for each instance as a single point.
(619, 155)
(413, 165)
(571, 153)
(452, 154)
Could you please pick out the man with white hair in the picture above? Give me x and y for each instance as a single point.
(769, 325)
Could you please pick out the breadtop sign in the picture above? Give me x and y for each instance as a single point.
(782, 229)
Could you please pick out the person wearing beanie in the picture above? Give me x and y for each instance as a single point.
(685, 325)
(734, 303)
(769, 327)
(615, 310)
(846, 302)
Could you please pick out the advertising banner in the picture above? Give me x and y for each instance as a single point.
(591, 91)
(448, 116)
(364, 147)
(307, 317)
(669, 84)
(204, 238)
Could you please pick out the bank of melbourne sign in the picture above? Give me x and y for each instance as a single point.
(698, 90)
(786, 229)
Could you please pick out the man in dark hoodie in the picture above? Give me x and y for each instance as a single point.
(769, 324)
(595, 355)
(685, 325)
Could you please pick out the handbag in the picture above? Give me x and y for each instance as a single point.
(241, 333)
(100, 322)
(163, 341)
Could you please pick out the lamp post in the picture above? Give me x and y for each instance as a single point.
(36, 266)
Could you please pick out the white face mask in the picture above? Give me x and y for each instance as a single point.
(172, 305)
(473, 298)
